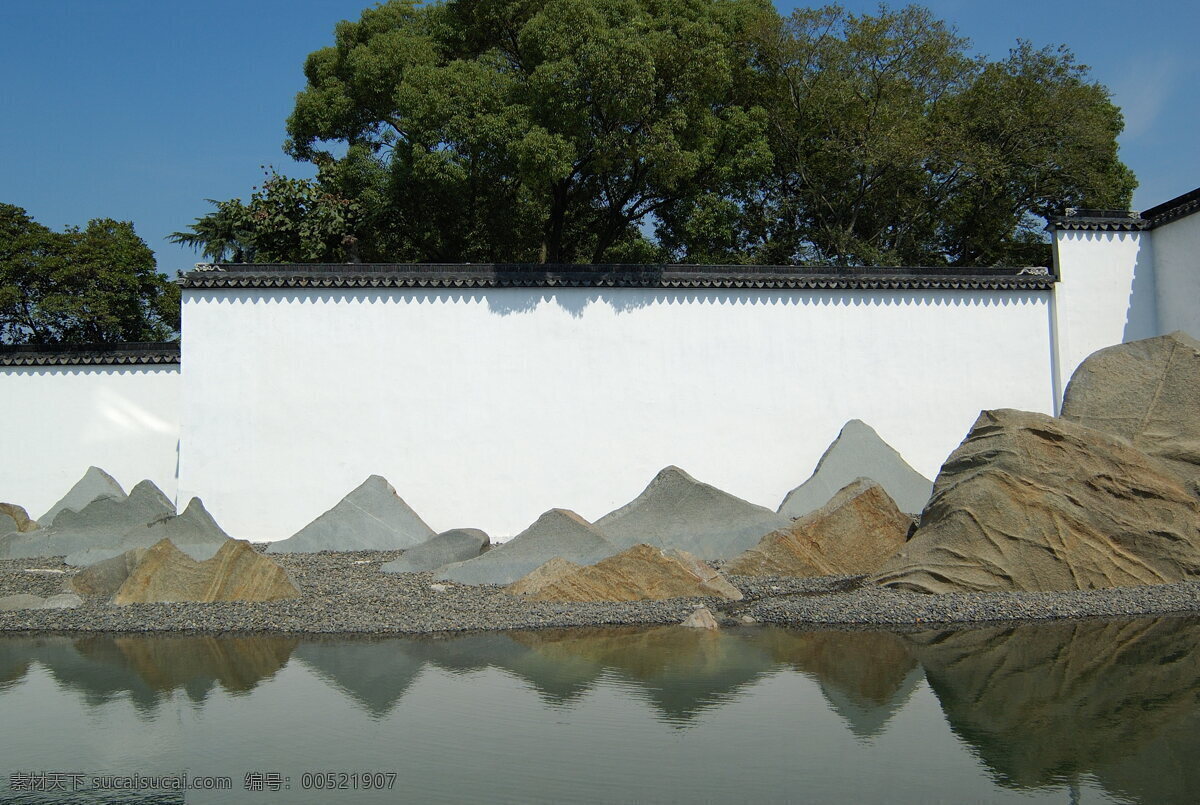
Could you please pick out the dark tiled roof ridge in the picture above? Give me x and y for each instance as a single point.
(121, 354)
(500, 275)
(1129, 220)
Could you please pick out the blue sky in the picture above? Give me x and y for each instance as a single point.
(141, 109)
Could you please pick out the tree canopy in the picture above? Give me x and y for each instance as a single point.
(675, 130)
(92, 285)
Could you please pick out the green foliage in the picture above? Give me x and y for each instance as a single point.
(570, 130)
(91, 285)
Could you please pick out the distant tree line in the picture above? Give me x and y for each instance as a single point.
(695, 131)
(97, 284)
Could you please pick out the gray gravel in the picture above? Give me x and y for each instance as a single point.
(347, 593)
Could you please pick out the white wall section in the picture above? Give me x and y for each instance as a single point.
(59, 420)
(486, 407)
(1177, 268)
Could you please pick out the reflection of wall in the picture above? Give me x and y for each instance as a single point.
(57, 421)
(486, 407)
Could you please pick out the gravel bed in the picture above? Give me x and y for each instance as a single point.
(347, 593)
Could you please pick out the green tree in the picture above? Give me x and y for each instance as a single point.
(92, 285)
(893, 145)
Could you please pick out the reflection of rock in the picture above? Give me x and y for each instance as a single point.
(1162, 770)
(15, 518)
(455, 545)
(372, 517)
(677, 511)
(855, 532)
(95, 483)
(236, 573)
(374, 673)
(558, 532)
(1147, 392)
(865, 676)
(859, 452)
(681, 671)
(194, 532)
(641, 573)
(1029, 502)
(1044, 702)
(146, 668)
(98, 524)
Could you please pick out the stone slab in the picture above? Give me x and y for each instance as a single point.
(455, 545)
(371, 518)
(95, 483)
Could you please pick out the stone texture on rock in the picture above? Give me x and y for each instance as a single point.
(542, 576)
(641, 573)
(12, 603)
(1147, 392)
(701, 618)
(236, 573)
(677, 511)
(194, 532)
(1030, 502)
(101, 523)
(95, 483)
(558, 532)
(14, 518)
(859, 452)
(858, 530)
(107, 576)
(371, 518)
(455, 545)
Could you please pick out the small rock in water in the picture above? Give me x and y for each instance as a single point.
(701, 618)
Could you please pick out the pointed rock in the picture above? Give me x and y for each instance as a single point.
(543, 576)
(236, 573)
(558, 532)
(455, 545)
(1030, 502)
(677, 511)
(99, 524)
(194, 532)
(1147, 392)
(14, 519)
(858, 530)
(95, 483)
(641, 573)
(859, 452)
(701, 618)
(371, 518)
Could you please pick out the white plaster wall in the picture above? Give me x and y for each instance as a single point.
(1105, 295)
(1177, 269)
(485, 408)
(57, 421)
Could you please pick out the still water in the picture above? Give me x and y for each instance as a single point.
(1067, 712)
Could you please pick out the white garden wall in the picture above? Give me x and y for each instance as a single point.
(58, 420)
(485, 407)
(1177, 264)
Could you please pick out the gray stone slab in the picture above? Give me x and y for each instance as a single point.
(95, 483)
(371, 518)
(558, 532)
(456, 545)
(194, 532)
(677, 511)
(11, 603)
(859, 452)
(99, 524)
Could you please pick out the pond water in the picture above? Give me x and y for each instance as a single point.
(1064, 712)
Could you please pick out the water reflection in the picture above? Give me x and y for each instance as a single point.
(1039, 705)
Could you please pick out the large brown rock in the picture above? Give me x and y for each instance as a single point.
(106, 577)
(1147, 392)
(543, 576)
(236, 573)
(1029, 502)
(855, 532)
(641, 573)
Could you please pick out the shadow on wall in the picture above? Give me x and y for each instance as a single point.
(510, 301)
(1141, 315)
